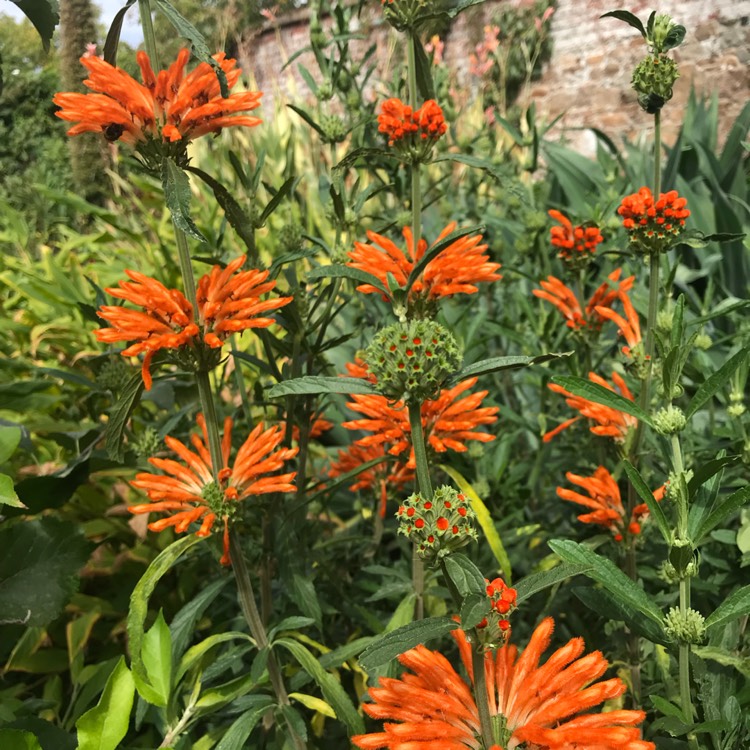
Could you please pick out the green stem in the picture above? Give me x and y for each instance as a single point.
(684, 658)
(149, 38)
(657, 154)
(186, 267)
(480, 694)
(257, 630)
(416, 186)
(424, 486)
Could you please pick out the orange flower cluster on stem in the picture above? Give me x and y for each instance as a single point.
(546, 705)
(605, 503)
(167, 107)
(228, 302)
(403, 125)
(189, 492)
(608, 422)
(457, 269)
(449, 422)
(576, 243)
(592, 316)
(651, 223)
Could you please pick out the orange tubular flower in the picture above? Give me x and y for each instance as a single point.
(436, 709)
(405, 126)
(190, 491)
(651, 223)
(455, 270)
(605, 502)
(228, 302)
(565, 300)
(609, 422)
(169, 107)
(577, 243)
(629, 326)
(166, 323)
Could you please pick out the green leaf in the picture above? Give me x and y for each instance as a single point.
(196, 654)
(200, 49)
(235, 738)
(715, 382)
(647, 496)
(238, 219)
(220, 695)
(728, 506)
(476, 163)
(474, 609)
(723, 657)
(309, 120)
(139, 610)
(387, 647)
(625, 590)
(286, 189)
(314, 704)
(697, 239)
(345, 272)
(295, 622)
(485, 521)
(466, 577)
(425, 84)
(432, 252)
(666, 707)
(113, 35)
(628, 17)
(17, 739)
(601, 395)
(675, 37)
(8, 494)
(182, 628)
(513, 362)
(705, 470)
(104, 726)
(304, 596)
(157, 657)
(10, 437)
(39, 569)
(364, 153)
(536, 582)
(734, 606)
(314, 384)
(329, 685)
(119, 415)
(177, 196)
(44, 14)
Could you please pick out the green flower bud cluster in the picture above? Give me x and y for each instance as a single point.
(403, 14)
(736, 408)
(703, 341)
(114, 374)
(325, 90)
(438, 526)
(664, 319)
(334, 128)
(675, 481)
(653, 80)
(290, 237)
(669, 574)
(685, 628)
(411, 360)
(670, 420)
(147, 443)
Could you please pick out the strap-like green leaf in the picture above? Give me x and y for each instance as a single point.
(512, 362)
(648, 497)
(536, 582)
(177, 196)
(734, 606)
(715, 382)
(316, 384)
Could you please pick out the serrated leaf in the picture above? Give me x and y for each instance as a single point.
(119, 415)
(315, 384)
(628, 17)
(138, 611)
(466, 577)
(495, 364)
(536, 582)
(734, 606)
(604, 571)
(43, 14)
(235, 738)
(648, 497)
(723, 657)
(718, 513)
(104, 726)
(329, 685)
(8, 494)
(485, 521)
(712, 384)
(200, 49)
(601, 395)
(113, 35)
(304, 596)
(363, 153)
(177, 196)
(39, 569)
(389, 646)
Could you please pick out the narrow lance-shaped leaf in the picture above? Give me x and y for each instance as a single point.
(628, 17)
(536, 582)
(425, 84)
(511, 362)
(316, 384)
(728, 506)
(44, 14)
(734, 606)
(345, 272)
(648, 497)
(113, 35)
(119, 415)
(715, 382)
(601, 395)
(177, 196)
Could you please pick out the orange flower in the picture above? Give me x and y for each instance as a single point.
(650, 223)
(380, 478)
(228, 301)
(192, 493)
(317, 428)
(609, 422)
(565, 300)
(166, 322)
(436, 709)
(575, 243)
(455, 270)
(604, 500)
(629, 326)
(399, 122)
(169, 107)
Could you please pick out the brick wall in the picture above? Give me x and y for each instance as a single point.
(588, 75)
